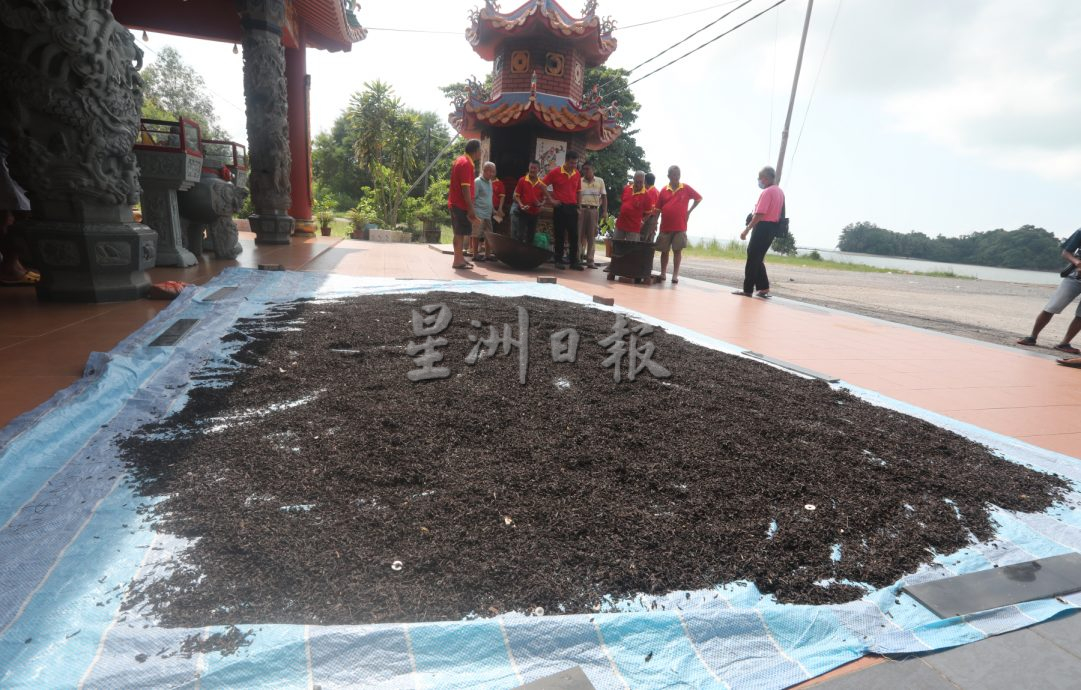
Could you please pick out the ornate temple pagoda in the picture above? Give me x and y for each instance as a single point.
(537, 108)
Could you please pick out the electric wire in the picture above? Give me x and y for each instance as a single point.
(681, 41)
(675, 16)
(695, 50)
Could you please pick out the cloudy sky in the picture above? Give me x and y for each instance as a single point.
(946, 117)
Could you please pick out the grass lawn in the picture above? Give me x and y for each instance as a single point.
(732, 249)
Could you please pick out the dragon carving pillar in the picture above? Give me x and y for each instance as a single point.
(69, 116)
(266, 101)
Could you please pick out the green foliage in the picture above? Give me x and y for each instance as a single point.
(1028, 247)
(171, 88)
(387, 194)
(358, 218)
(814, 255)
(617, 163)
(785, 244)
(324, 217)
(376, 129)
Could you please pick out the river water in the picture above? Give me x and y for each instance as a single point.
(1003, 275)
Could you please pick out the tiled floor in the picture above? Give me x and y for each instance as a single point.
(43, 348)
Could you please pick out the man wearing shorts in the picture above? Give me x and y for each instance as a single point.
(1067, 292)
(673, 203)
(460, 200)
(483, 206)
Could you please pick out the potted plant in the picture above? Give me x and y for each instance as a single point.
(359, 220)
(325, 217)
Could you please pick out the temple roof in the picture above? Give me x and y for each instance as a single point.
(474, 114)
(589, 33)
(324, 24)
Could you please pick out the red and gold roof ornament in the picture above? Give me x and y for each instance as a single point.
(589, 33)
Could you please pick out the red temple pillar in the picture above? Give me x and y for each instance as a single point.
(300, 175)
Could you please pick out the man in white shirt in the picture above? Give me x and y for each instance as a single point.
(592, 209)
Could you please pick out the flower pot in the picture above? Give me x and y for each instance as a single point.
(325, 231)
(608, 247)
(432, 235)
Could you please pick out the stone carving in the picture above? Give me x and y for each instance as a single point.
(208, 208)
(267, 112)
(76, 73)
(59, 253)
(112, 253)
(162, 174)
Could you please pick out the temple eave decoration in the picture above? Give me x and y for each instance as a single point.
(592, 34)
(596, 122)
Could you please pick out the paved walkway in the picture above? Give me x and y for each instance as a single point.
(43, 348)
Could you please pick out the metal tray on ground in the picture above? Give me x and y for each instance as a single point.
(515, 253)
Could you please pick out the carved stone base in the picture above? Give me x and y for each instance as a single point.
(160, 213)
(271, 229)
(91, 262)
(304, 228)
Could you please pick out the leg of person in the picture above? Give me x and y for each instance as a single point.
(573, 248)
(755, 271)
(1071, 333)
(462, 230)
(476, 237)
(679, 243)
(516, 223)
(587, 231)
(559, 229)
(529, 222)
(664, 243)
(1067, 291)
(486, 227)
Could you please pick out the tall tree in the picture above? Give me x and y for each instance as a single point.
(173, 88)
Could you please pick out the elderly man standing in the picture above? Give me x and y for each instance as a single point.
(483, 206)
(632, 209)
(592, 209)
(673, 203)
(460, 200)
(566, 183)
(763, 228)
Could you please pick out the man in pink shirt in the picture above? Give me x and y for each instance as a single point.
(763, 228)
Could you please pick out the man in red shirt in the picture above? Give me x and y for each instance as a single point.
(673, 203)
(649, 225)
(529, 196)
(460, 200)
(566, 183)
(632, 208)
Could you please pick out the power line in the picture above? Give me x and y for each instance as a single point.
(681, 41)
(695, 50)
(814, 85)
(675, 16)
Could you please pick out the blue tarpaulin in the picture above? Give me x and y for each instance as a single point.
(72, 539)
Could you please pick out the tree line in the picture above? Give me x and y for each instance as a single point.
(1027, 247)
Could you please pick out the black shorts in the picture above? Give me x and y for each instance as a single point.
(459, 220)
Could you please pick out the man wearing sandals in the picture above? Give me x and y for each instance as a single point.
(1067, 292)
(672, 202)
(460, 200)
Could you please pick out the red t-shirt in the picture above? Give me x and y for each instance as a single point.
(461, 175)
(654, 194)
(498, 190)
(530, 195)
(673, 204)
(565, 186)
(634, 207)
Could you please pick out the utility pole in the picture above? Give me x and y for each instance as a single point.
(795, 83)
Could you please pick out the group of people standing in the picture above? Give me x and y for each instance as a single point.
(579, 202)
